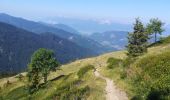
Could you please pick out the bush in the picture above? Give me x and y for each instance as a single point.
(137, 97)
(84, 70)
(123, 74)
(113, 62)
(20, 77)
(128, 61)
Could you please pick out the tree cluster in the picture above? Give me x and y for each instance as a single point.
(138, 39)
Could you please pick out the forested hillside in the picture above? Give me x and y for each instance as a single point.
(43, 28)
(17, 46)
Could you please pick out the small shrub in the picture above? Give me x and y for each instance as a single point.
(123, 75)
(84, 70)
(128, 61)
(137, 97)
(7, 83)
(113, 62)
(20, 77)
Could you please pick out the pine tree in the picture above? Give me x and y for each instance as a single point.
(137, 40)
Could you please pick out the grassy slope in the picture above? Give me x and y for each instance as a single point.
(96, 85)
(16, 90)
(144, 73)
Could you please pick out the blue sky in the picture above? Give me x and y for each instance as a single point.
(116, 10)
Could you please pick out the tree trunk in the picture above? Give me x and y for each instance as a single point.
(45, 78)
(155, 37)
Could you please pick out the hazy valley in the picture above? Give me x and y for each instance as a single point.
(84, 50)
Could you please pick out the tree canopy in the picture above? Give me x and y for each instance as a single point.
(42, 62)
(155, 27)
(137, 40)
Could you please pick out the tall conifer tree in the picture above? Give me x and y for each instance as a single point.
(137, 40)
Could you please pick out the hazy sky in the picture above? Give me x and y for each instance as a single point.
(116, 10)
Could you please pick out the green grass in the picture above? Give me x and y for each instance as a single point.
(141, 78)
(68, 86)
(84, 70)
(154, 75)
(96, 85)
(147, 77)
(47, 92)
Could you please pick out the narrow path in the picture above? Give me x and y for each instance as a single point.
(112, 93)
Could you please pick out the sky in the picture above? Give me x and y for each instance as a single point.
(122, 11)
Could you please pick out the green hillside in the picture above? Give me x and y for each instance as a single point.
(147, 77)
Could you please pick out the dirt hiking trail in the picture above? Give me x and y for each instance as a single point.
(112, 92)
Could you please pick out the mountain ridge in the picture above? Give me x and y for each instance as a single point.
(114, 39)
(17, 46)
(41, 28)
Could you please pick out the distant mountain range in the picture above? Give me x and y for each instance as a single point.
(89, 26)
(17, 46)
(63, 27)
(42, 28)
(113, 39)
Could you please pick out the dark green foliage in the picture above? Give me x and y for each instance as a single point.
(123, 75)
(155, 27)
(84, 70)
(113, 62)
(42, 62)
(44, 59)
(137, 41)
(137, 97)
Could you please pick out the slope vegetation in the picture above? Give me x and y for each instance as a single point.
(146, 77)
